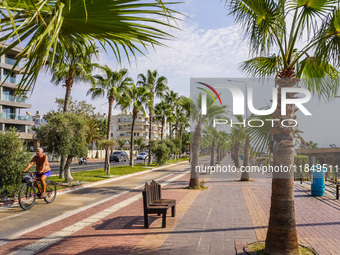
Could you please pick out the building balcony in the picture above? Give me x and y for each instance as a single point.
(11, 79)
(13, 116)
(15, 99)
(11, 61)
(7, 66)
(129, 129)
(129, 121)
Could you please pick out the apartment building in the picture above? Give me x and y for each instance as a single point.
(13, 108)
(121, 127)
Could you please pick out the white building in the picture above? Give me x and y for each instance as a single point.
(13, 108)
(121, 127)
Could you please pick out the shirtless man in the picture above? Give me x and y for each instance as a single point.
(42, 167)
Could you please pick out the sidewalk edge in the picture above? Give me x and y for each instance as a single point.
(71, 189)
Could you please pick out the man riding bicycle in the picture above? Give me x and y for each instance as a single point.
(42, 167)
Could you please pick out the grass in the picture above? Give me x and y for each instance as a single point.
(99, 174)
(172, 161)
(258, 249)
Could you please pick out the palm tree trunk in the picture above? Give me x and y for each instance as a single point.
(170, 131)
(212, 153)
(150, 133)
(245, 174)
(162, 130)
(68, 84)
(218, 154)
(194, 176)
(281, 236)
(108, 136)
(67, 169)
(134, 116)
(180, 134)
(237, 154)
(176, 127)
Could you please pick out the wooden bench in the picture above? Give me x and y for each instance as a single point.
(154, 204)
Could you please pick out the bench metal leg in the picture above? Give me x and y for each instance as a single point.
(337, 191)
(146, 220)
(173, 211)
(164, 220)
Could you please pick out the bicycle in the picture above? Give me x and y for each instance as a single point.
(28, 194)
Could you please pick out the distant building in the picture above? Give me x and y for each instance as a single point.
(121, 127)
(12, 108)
(329, 156)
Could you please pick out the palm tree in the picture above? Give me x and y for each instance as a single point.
(127, 26)
(74, 66)
(134, 98)
(290, 40)
(121, 143)
(310, 145)
(198, 119)
(237, 137)
(157, 86)
(210, 135)
(172, 99)
(113, 85)
(183, 114)
(161, 112)
(140, 143)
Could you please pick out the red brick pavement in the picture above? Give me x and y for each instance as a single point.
(119, 233)
(318, 221)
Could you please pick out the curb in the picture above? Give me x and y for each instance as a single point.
(70, 189)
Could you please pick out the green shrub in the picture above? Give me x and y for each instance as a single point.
(162, 152)
(14, 157)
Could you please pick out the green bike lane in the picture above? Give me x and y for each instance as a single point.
(72, 211)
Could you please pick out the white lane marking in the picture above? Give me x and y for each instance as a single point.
(14, 215)
(47, 241)
(61, 217)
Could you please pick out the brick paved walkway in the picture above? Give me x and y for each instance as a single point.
(215, 222)
(220, 220)
(317, 218)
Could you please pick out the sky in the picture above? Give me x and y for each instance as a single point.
(208, 45)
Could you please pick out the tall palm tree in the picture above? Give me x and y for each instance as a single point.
(157, 86)
(199, 120)
(113, 85)
(172, 99)
(123, 26)
(237, 137)
(290, 40)
(161, 112)
(211, 134)
(134, 98)
(183, 114)
(73, 66)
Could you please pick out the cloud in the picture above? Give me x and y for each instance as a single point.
(194, 53)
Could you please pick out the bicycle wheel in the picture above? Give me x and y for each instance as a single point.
(27, 196)
(51, 192)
